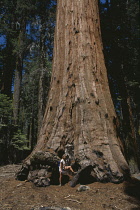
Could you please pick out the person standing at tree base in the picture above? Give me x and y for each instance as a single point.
(64, 170)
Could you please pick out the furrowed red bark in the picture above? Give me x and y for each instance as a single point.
(80, 110)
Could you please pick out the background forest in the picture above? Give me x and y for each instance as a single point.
(27, 34)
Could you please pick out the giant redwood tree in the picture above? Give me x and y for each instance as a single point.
(80, 112)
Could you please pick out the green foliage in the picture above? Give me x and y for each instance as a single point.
(27, 28)
(19, 141)
(29, 93)
(5, 110)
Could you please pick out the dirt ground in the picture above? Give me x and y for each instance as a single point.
(24, 195)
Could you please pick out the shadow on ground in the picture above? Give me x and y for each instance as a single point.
(132, 189)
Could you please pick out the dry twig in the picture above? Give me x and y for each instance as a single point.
(73, 200)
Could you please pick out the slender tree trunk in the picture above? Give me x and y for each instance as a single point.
(17, 87)
(8, 71)
(131, 144)
(9, 63)
(18, 72)
(80, 111)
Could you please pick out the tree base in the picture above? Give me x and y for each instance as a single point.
(43, 170)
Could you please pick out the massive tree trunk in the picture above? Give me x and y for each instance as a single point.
(44, 78)
(43, 72)
(80, 112)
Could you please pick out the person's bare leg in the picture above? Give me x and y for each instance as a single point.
(70, 177)
(60, 179)
(70, 168)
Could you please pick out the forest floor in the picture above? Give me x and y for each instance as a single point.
(24, 195)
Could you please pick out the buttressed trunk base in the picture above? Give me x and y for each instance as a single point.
(80, 112)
